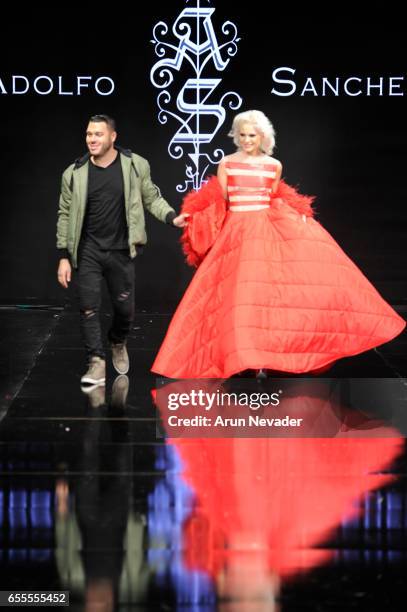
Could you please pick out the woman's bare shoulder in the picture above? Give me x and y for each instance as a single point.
(231, 157)
(273, 160)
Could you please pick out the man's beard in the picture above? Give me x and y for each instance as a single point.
(104, 149)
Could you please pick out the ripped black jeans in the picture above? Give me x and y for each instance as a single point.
(118, 270)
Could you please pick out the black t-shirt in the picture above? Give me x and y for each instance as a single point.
(105, 219)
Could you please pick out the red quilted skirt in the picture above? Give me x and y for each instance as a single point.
(276, 293)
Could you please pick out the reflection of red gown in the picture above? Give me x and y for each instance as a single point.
(273, 292)
(276, 498)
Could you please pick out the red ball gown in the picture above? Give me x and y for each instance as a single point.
(274, 290)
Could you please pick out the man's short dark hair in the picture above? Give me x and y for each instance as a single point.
(106, 119)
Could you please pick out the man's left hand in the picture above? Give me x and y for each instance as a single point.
(181, 221)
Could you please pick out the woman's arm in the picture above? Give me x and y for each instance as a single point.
(278, 176)
(222, 178)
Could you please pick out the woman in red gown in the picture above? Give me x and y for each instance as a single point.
(274, 290)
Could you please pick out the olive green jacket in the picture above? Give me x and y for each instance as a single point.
(139, 193)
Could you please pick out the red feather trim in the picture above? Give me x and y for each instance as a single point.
(207, 208)
(290, 195)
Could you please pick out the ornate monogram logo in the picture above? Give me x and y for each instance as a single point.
(199, 108)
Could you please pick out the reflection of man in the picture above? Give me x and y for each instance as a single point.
(102, 507)
(100, 230)
(99, 536)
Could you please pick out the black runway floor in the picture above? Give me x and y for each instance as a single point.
(97, 500)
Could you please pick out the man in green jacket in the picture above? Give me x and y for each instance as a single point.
(100, 229)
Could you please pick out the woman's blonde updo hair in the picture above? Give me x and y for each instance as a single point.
(262, 125)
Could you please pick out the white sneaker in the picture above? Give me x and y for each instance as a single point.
(96, 373)
(120, 358)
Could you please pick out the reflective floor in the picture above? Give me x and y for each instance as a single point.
(101, 498)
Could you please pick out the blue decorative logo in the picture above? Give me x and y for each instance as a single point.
(197, 112)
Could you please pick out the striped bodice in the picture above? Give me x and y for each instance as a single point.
(249, 185)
